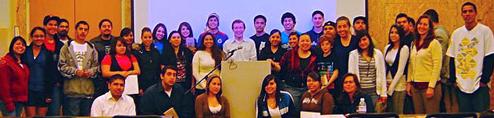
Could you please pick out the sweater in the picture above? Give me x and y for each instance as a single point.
(13, 82)
(322, 101)
(425, 64)
(284, 103)
(76, 86)
(380, 70)
(203, 111)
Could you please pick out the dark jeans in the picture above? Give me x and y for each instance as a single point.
(77, 106)
(17, 111)
(56, 101)
(478, 101)
(297, 95)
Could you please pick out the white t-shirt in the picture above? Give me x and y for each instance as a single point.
(275, 112)
(469, 49)
(80, 53)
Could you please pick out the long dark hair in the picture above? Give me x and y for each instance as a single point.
(209, 80)
(216, 52)
(11, 52)
(126, 31)
(113, 49)
(170, 36)
(263, 94)
(355, 80)
(401, 33)
(274, 31)
(430, 33)
(155, 30)
(187, 25)
(146, 29)
(370, 49)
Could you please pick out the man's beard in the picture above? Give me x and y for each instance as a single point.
(63, 33)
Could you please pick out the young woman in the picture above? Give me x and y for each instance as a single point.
(424, 69)
(293, 40)
(349, 99)
(368, 64)
(273, 52)
(119, 61)
(13, 86)
(179, 56)
(188, 39)
(396, 56)
(212, 104)
(149, 61)
(317, 99)
(205, 59)
(42, 68)
(344, 43)
(159, 37)
(296, 64)
(272, 101)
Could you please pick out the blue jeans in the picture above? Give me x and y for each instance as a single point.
(56, 102)
(77, 106)
(297, 95)
(17, 111)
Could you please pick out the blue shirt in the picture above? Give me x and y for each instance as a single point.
(285, 38)
(219, 39)
(38, 68)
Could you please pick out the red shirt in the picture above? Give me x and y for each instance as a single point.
(50, 46)
(123, 61)
(13, 81)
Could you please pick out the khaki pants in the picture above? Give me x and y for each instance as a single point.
(424, 105)
(398, 104)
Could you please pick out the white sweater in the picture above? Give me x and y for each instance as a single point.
(380, 70)
(202, 63)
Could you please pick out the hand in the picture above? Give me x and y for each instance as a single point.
(10, 107)
(409, 89)
(48, 100)
(482, 84)
(141, 92)
(429, 93)
(79, 73)
(383, 99)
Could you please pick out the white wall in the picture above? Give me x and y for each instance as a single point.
(150, 12)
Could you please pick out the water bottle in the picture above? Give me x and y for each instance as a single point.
(362, 107)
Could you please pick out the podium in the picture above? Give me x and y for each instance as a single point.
(242, 84)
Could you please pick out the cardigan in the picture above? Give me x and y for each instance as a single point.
(202, 107)
(380, 69)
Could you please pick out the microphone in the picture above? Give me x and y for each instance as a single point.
(238, 48)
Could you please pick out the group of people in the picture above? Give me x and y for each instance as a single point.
(329, 69)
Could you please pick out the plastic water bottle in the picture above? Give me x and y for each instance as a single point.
(362, 107)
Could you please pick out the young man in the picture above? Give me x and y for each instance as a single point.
(288, 21)
(246, 50)
(114, 102)
(102, 43)
(165, 95)
(359, 24)
(212, 26)
(449, 100)
(63, 31)
(402, 20)
(53, 45)
(261, 38)
(472, 51)
(317, 29)
(79, 64)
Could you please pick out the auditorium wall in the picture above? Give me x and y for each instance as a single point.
(26, 14)
(382, 13)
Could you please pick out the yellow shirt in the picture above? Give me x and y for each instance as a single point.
(425, 64)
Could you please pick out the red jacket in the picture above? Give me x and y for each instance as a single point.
(13, 82)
